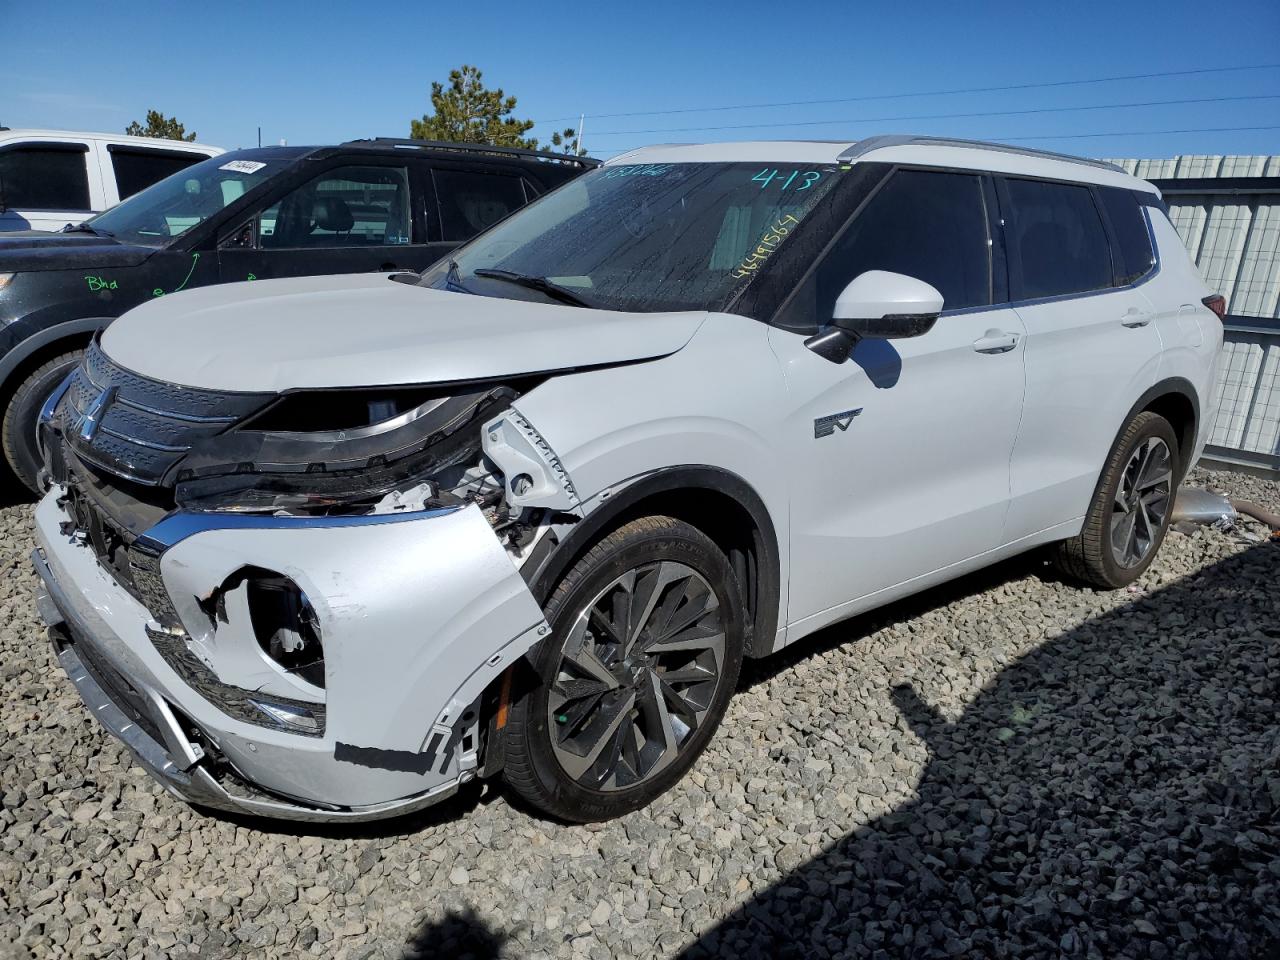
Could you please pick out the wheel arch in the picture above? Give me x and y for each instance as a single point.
(1175, 399)
(30, 352)
(716, 501)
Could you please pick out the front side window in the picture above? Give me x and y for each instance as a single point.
(181, 201)
(1134, 255)
(646, 237)
(471, 203)
(930, 226)
(357, 206)
(44, 178)
(1056, 240)
(136, 169)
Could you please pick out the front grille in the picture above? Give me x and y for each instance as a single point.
(138, 428)
(136, 570)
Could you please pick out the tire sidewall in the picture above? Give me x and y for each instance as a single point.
(20, 416)
(666, 544)
(1155, 426)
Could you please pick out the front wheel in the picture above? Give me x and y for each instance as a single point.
(645, 650)
(1131, 507)
(18, 431)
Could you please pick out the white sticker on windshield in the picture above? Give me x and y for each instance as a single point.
(243, 166)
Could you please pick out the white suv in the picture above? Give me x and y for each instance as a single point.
(52, 178)
(325, 548)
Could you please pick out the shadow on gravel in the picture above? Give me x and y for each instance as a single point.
(460, 936)
(1115, 793)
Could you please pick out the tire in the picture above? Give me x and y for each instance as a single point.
(1135, 493)
(18, 431)
(560, 753)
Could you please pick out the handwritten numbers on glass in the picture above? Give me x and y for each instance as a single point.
(765, 247)
(786, 178)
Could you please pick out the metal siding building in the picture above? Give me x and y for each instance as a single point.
(1227, 211)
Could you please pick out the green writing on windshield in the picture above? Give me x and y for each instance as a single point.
(101, 283)
(637, 170)
(786, 178)
(765, 246)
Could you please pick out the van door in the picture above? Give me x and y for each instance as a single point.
(353, 218)
(899, 456)
(1091, 348)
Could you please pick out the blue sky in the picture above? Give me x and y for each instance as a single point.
(316, 73)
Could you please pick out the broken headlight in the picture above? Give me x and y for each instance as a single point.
(348, 452)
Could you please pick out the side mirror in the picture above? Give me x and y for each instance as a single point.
(877, 305)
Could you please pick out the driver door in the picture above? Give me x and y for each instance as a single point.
(900, 453)
(349, 219)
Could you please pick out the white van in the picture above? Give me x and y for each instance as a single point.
(51, 178)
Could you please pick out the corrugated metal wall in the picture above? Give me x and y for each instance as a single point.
(1235, 241)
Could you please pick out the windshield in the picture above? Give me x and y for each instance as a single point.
(177, 203)
(643, 237)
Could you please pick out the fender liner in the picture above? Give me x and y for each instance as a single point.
(23, 349)
(1183, 388)
(545, 571)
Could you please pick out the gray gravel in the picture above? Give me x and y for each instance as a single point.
(1009, 766)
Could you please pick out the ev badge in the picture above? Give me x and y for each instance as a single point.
(93, 416)
(826, 426)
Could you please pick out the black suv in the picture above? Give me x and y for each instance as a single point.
(362, 206)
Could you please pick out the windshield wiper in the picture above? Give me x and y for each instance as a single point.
(541, 284)
(85, 228)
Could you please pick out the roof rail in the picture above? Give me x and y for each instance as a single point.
(863, 147)
(407, 143)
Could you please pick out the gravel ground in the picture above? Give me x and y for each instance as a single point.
(1009, 766)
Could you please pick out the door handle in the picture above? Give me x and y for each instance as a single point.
(995, 341)
(1136, 318)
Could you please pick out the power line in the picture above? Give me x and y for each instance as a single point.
(926, 93)
(942, 116)
(1018, 138)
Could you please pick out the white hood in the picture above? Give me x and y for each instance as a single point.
(361, 330)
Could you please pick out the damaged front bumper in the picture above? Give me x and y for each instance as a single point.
(419, 613)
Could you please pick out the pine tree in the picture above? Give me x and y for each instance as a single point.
(158, 125)
(467, 112)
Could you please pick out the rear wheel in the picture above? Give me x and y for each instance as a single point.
(644, 654)
(1131, 508)
(18, 430)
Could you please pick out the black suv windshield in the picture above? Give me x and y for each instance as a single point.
(643, 237)
(177, 203)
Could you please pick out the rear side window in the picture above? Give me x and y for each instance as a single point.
(931, 226)
(44, 178)
(1133, 254)
(1056, 240)
(473, 202)
(137, 169)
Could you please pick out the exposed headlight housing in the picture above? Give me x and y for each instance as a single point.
(345, 451)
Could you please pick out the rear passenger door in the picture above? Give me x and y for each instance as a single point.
(1091, 348)
(900, 454)
(352, 218)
